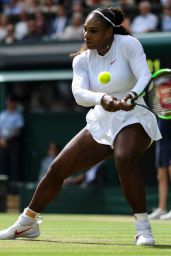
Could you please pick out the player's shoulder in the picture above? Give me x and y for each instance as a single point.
(128, 40)
(129, 44)
(81, 58)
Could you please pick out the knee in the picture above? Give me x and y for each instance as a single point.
(125, 161)
(161, 175)
(56, 173)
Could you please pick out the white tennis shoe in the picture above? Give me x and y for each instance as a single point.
(156, 214)
(166, 216)
(23, 227)
(144, 236)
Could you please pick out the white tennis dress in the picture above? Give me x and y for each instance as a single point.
(126, 61)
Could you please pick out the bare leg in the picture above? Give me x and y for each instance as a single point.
(129, 145)
(80, 153)
(162, 177)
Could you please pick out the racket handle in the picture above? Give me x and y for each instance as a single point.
(130, 101)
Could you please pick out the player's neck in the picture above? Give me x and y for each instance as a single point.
(102, 51)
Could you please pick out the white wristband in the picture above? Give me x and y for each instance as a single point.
(133, 95)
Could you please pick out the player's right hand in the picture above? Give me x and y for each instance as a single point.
(110, 103)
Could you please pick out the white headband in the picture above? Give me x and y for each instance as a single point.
(106, 18)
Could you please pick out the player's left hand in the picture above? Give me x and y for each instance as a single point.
(124, 104)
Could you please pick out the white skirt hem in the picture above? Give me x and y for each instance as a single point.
(104, 126)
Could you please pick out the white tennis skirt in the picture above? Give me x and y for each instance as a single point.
(104, 125)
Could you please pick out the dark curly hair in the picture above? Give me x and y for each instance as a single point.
(114, 16)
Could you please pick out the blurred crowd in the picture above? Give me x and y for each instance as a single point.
(30, 20)
(41, 97)
(26, 21)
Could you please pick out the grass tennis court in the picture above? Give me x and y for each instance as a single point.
(89, 235)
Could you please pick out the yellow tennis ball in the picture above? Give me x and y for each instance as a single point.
(104, 77)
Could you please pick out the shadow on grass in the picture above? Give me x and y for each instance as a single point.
(72, 242)
(158, 246)
(163, 246)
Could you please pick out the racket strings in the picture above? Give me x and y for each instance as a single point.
(158, 98)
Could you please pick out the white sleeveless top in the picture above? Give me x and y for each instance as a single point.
(126, 61)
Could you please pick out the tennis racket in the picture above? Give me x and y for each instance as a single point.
(157, 94)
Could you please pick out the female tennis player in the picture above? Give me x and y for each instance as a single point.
(114, 127)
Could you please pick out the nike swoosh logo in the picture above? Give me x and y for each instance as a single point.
(112, 62)
(17, 233)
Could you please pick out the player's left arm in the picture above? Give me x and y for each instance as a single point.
(134, 53)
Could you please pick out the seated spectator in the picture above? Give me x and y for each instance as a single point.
(126, 3)
(22, 91)
(21, 27)
(127, 23)
(14, 7)
(33, 34)
(49, 7)
(78, 7)
(75, 29)
(11, 124)
(10, 37)
(59, 23)
(165, 20)
(93, 176)
(165, 2)
(31, 6)
(41, 24)
(52, 152)
(145, 21)
(92, 3)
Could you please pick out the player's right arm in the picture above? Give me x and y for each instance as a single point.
(80, 84)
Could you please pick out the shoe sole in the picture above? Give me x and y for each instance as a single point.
(146, 244)
(31, 235)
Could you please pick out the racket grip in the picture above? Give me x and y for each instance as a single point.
(130, 101)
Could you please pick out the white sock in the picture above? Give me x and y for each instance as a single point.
(30, 213)
(25, 219)
(142, 222)
(141, 216)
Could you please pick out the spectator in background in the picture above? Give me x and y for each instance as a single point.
(78, 7)
(127, 23)
(52, 152)
(33, 34)
(31, 6)
(127, 4)
(11, 124)
(165, 19)
(92, 3)
(163, 164)
(165, 2)
(49, 7)
(96, 175)
(22, 91)
(41, 24)
(146, 21)
(10, 37)
(14, 7)
(75, 29)
(59, 23)
(21, 27)
(4, 21)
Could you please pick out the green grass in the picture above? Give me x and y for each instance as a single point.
(85, 235)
